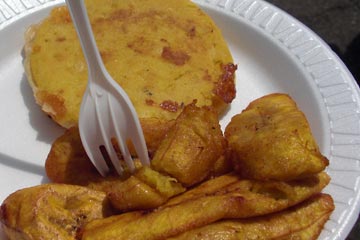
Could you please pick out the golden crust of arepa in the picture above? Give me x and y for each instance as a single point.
(164, 53)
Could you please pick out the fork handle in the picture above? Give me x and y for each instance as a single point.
(81, 20)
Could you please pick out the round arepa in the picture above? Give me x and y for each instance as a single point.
(164, 53)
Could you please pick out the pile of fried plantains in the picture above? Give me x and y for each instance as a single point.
(262, 179)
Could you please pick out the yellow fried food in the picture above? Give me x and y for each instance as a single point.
(271, 139)
(125, 217)
(51, 211)
(192, 146)
(67, 163)
(199, 207)
(190, 152)
(312, 232)
(166, 185)
(303, 222)
(134, 194)
(261, 197)
(164, 53)
(146, 189)
(163, 223)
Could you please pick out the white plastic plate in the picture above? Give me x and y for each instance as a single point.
(274, 53)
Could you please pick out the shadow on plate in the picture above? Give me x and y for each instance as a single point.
(46, 128)
(22, 165)
(25, 166)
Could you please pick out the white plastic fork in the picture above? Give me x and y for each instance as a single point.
(106, 111)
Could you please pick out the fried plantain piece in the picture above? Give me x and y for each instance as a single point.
(208, 187)
(271, 139)
(124, 217)
(146, 189)
(51, 211)
(296, 189)
(204, 156)
(261, 197)
(221, 166)
(310, 233)
(166, 185)
(164, 222)
(154, 132)
(204, 143)
(304, 221)
(134, 194)
(68, 163)
(192, 146)
(233, 199)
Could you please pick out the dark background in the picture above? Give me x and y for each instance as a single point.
(337, 22)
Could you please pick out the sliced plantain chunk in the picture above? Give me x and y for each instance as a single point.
(271, 139)
(51, 211)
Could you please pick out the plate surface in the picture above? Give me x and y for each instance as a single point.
(274, 53)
